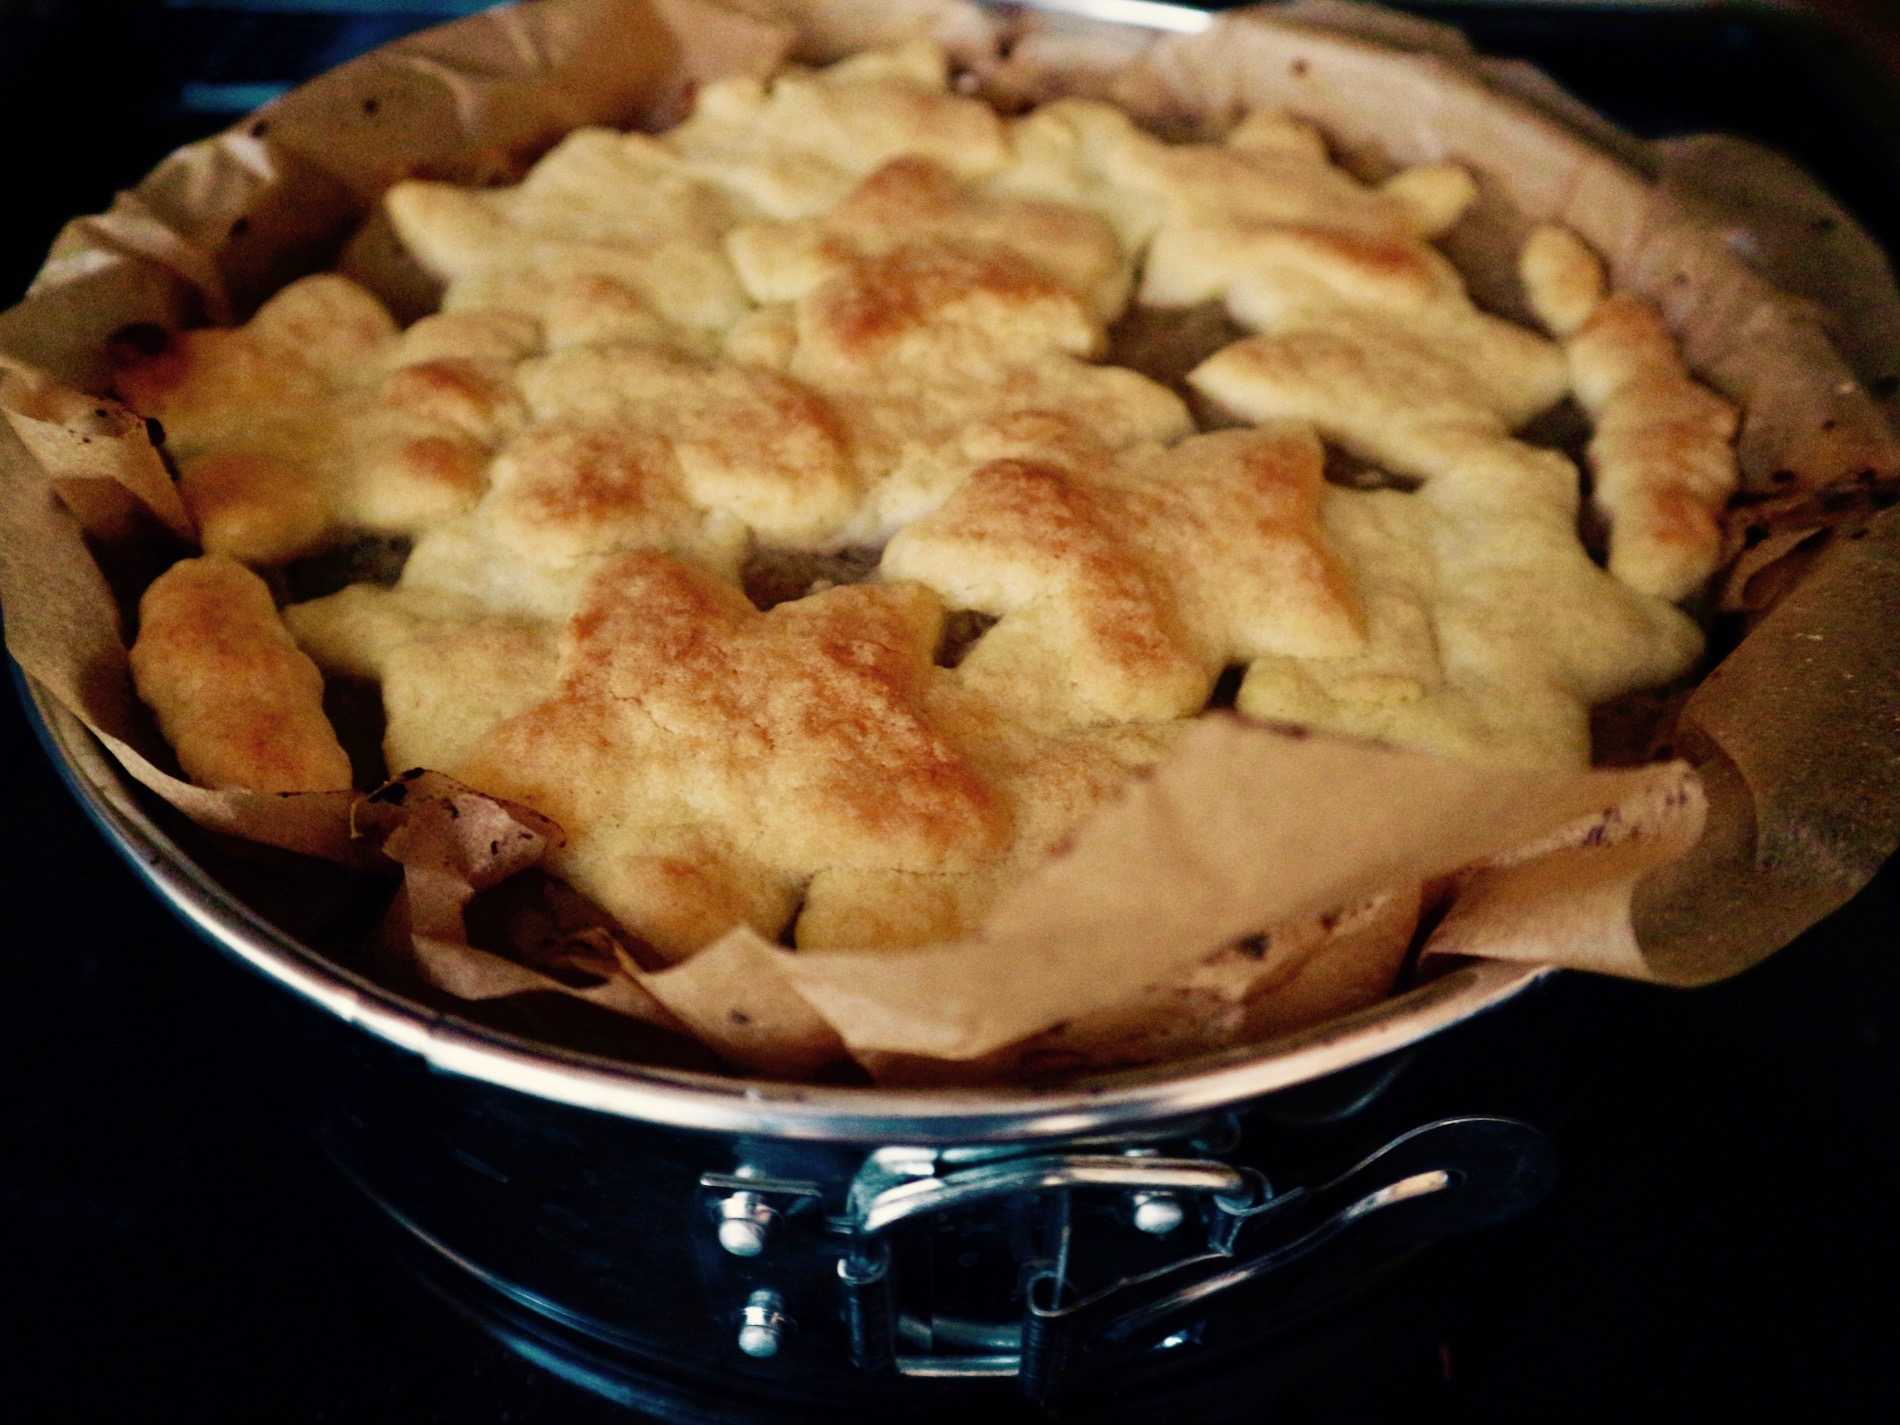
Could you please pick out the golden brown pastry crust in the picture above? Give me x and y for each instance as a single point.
(1126, 583)
(1491, 633)
(744, 442)
(847, 309)
(1664, 450)
(912, 199)
(795, 145)
(239, 702)
(606, 238)
(317, 418)
(767, 745)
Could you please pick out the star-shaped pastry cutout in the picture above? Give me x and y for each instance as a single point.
(1413, 397)
(614, 237)
(1125, 582)
(450, 668)
(1410, 404)
(318, 418)
(913, 199)
(1490, 633)
(636, 446)
(745, 441)
(796, 145)
(714, 766)
(607, 238)
(1291, 243)
(706, 759)
(920, 343)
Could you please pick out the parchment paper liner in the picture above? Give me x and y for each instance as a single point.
(1244, 827)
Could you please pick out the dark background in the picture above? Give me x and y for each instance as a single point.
(173, 1247)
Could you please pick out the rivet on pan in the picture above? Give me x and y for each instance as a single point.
(763, 1324)
(1157, 1213)
(745, 1223)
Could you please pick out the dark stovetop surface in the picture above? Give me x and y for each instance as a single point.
(173, 1247)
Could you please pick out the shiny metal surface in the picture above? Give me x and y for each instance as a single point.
(751, 1204)
(1141, 14)
(999, 1367)
(1157, 1213)
(1443, 1178)
(1452, 1176)
(1046, 1173)
(745, 1224)
(763, 1324)
(679, 1098)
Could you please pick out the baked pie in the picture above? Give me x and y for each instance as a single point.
(856, 325)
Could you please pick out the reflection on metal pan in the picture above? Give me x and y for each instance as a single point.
(1141, 14)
